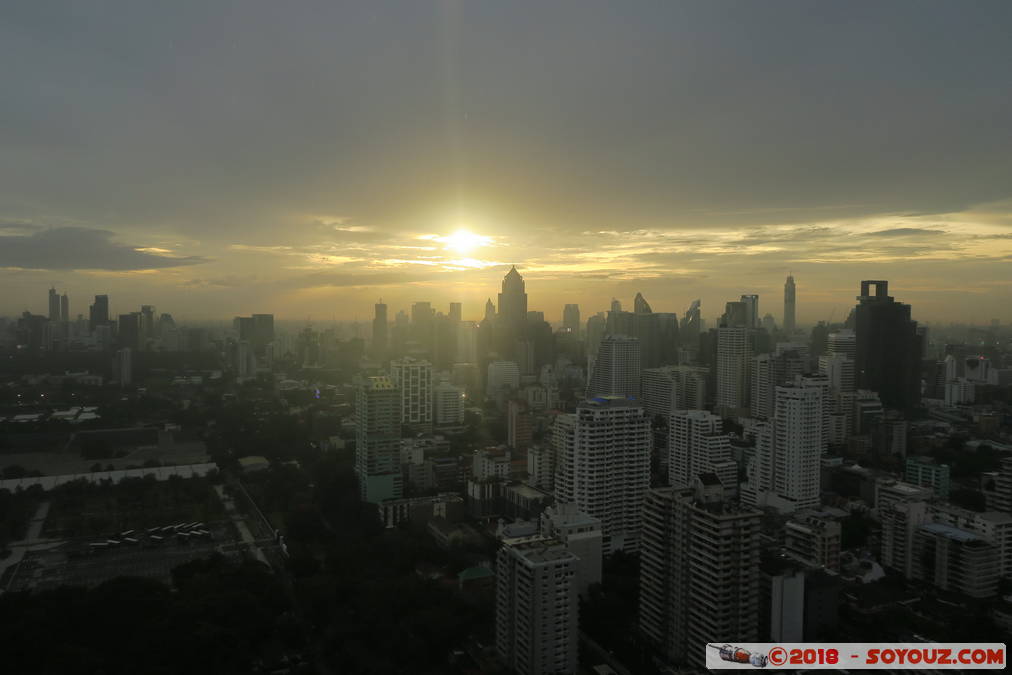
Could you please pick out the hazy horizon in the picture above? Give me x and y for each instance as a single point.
(216, 160)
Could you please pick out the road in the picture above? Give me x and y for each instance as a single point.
(31, 540)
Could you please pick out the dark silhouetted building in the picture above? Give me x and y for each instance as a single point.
(888, 349)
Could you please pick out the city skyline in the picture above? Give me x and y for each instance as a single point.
(168, 164)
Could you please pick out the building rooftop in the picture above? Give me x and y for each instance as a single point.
(950, 532)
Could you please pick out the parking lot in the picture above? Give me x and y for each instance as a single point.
(77, 562)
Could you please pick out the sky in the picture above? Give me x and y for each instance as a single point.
(310, 158)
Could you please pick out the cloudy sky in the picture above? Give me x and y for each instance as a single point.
(218, 158)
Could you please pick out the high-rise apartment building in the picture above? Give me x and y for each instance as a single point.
(699, 571)
(616, 370)
(888, 350)
(448, 402)
(697, 444)
(671, 388)
(581, 534)
(537, 606)
(413, 379)
(784, 470)
(377, 442)
(603, 465)
(734, 356)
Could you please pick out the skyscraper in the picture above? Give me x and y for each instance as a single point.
(751, 303)
(571, 319)
(129, 330)
(513, 301)
(616, 369)
(537, 606)
(64, 308)
(54, 305)
(888, 353)
(603, 466)
(377, 442)
(98, 313)
(691, 325)
(456, 310)
(699, 571)
(380, 330)
(790, 295)
(263, 333)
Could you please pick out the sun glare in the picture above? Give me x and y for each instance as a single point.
(463, 241)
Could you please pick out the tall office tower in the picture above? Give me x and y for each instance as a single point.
(413, 378)
(668, 336)
(423, 326)
(98, 313)
(448, 404)
(697, 444)
(513, 300)
(54, 305)
(602, 456)
(790, 300)
(640, 305)
(147, 325)
(456, 310)
(888, 347)
(124, 367)
(616, 369)
(751, 303)
(595, 333)
(571, 319)
(377, 441)
(699, 571)
(467, 342)
(670, 388)
(128, 332)
(582, 536)
(537, 606)
(734, 356)
(842, 342)
(736, 315)
(489, 310)
(691, 325)
(839, 370)
(380, 330)
(263, 333)
(616, 305)
(246, 362)
(64, 308)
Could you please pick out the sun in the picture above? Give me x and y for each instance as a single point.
(464, 241)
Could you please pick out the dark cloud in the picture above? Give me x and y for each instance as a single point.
(907, 232)
(80, 248)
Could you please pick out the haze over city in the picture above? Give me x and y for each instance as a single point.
(222, 160)
(505, 338)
